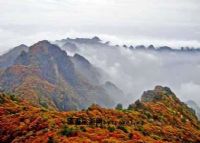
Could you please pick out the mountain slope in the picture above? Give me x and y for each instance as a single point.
(161, 119)
(115, 92)
(49, 76)
(84, 67)
(8, 58)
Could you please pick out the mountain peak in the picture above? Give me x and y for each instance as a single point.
(158, 93)
(22, 46)
(42, 43)
(44, 46)
(96, 38)
(8, 58)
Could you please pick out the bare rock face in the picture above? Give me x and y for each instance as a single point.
(158, 93)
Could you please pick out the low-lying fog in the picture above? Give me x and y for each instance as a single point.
(137, 71)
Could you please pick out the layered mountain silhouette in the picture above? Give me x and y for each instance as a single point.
(74, 44)
(45, 75)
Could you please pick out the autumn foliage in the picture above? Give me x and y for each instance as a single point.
(161, 121)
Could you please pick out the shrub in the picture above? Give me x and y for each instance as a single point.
(2, 100)
(111, 128)
(156, 137)
(183, 119)
(123, 128)
(69, 131)
(13, 97)
(142, 130)
(51, 140)
(148, 114)
(130, 135)
(82, 128)
(131, 107)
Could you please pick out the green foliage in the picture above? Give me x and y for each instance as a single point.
(131, 107)
(2, 100)
(119, 107)
(142, 130)
(183, 119)
(83, 129)
(111, 128)
(148, 114)
(156, 137)
(69, 131)
(13, 97)
(138, 104)
(43, 109)
(43, 103)
(123, 128)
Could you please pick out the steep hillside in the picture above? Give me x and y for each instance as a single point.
(47, 76)
(115, 92)
(159, 117)
(86, 69)
(8, 58)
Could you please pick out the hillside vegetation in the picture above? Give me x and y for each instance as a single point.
(158, 117)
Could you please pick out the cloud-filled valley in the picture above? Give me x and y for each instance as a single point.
(135, 71)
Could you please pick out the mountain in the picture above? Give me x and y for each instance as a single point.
(94, 40)
(115, 92)
(70, 47)
(47, 76)
(74, 45)
(194, 106)
(86, 69)
(8, 58)
(158, 117)
(163, 101)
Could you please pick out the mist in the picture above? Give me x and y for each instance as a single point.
(173, 23)
(135, 71)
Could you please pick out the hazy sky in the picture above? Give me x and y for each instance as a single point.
(161, 22)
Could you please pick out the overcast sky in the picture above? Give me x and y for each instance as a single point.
(161, 22)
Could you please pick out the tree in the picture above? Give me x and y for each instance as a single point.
(119, 107)
(131, 107)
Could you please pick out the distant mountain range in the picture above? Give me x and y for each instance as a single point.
(72, 44)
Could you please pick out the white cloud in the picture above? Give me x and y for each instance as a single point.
(161, 22)
(137, 71)
(190, 91)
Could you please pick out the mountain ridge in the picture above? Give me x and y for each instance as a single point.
(46, 66)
